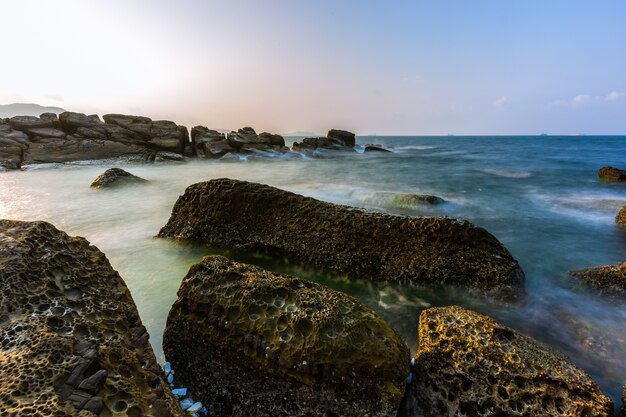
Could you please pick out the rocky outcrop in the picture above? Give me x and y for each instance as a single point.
(113, 177)
(620, 218)
(211, 144)
(334, 140)
(609, 280)
(467, 364)
(343, 240)
(612, 174)
(76, 136)
(72, 341)
(248, 342)
(375, 148)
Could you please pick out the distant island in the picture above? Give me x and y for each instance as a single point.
(27, 109)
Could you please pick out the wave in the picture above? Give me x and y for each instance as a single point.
(507, 173)
(414, 148)
(595, 208)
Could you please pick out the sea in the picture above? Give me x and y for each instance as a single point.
(539, 195)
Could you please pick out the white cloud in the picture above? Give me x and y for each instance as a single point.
(499, 103)
(578, 101)
(614, 96)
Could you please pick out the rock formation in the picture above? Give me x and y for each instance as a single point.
(375, 148)
(115, 176)
(467, 364)
(212, 144)
(612, 174)
(620, 218)
(608, 280)
(334, 140)
(248, 342)
(72, 339)
(76, 136)
(343, 240)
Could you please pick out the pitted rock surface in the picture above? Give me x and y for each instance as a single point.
(467, 364)
(249, 342)
(608, 280)
(425, 251)
(115, 176)
(71, 341)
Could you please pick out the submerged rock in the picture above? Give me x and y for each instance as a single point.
(72, 338)
(468, 364)
(375, 148)
(620, 218)
(612, 174)
(249, 342)
(238, 214)
(113, 177)
(608, 280)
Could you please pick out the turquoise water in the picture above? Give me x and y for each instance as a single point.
(538, 195)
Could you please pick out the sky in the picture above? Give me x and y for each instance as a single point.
(373, 67)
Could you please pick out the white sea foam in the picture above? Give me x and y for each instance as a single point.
(507, 173)
(415, 148)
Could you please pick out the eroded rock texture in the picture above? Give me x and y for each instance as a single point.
(76, 136)
(237, 214)
(612, 174)
(608, 280)
(71, 339)
(211, 144)
(115, 176)
(467, 364)
(249, 342)
(335, 140)
(620, 218)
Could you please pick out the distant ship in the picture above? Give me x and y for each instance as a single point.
(544, 134)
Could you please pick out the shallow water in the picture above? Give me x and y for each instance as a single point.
(538, 195)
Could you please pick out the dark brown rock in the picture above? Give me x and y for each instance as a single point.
(609, 280)
(344, 136)
(335, 140)
(67, 320)
(249, 342)
(620, 218)
(375, 148)
(612, 174)
(113, 177)
(424, 251)
(467, 364)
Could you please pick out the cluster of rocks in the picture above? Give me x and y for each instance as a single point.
(423, 251)
(72, 340)
(76, 136)
(335, 139)
(207, 143)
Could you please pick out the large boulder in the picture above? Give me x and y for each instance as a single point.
(249, 342)
(161, 135)
(335, 140)
(344, 240)
(620, 218)
(73, 343)
(612, 174)
(115, 176)
(13, 143)
(467, 364)
(609, 280)
(208, 143)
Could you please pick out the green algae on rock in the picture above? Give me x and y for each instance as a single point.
(73, 342)
(344, 240)
(609, 280)
(249, 342)
(467, 364)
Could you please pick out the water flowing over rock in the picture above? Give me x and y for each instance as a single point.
(76, 136)
(343, 240)
(335, 140)
(115, 176)
(467, 364)
(72, 340)
(609, 280)
(612, 174)
(249, 342)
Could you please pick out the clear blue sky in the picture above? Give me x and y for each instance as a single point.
(386, 67)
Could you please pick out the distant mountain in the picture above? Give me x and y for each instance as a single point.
(26, 109)
(307, 134)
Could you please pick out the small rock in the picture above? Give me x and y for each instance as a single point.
(95, 405)
(167, 368)
(609, 280)
(115, 176)
(94, 383)
(186, 403)
(612, 174)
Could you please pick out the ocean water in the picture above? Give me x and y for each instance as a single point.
(540, 196)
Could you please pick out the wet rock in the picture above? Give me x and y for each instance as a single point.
(339, 239)
(609, 280)
(113, 177)
(468, 364)
(612, 174)
(410, 200)
(620, 218)
(343, 136)
(375, 148)
(334, 140)
(67, 325)
(209, 143)
(249, 342)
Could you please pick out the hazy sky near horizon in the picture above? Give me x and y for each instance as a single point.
(385, 67)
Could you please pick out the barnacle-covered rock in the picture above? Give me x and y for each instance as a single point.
(71, 341)
(339, 239)
(467, 364)
(609, 280)
(248, 342)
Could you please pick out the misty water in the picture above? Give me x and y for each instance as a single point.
(540, 196)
